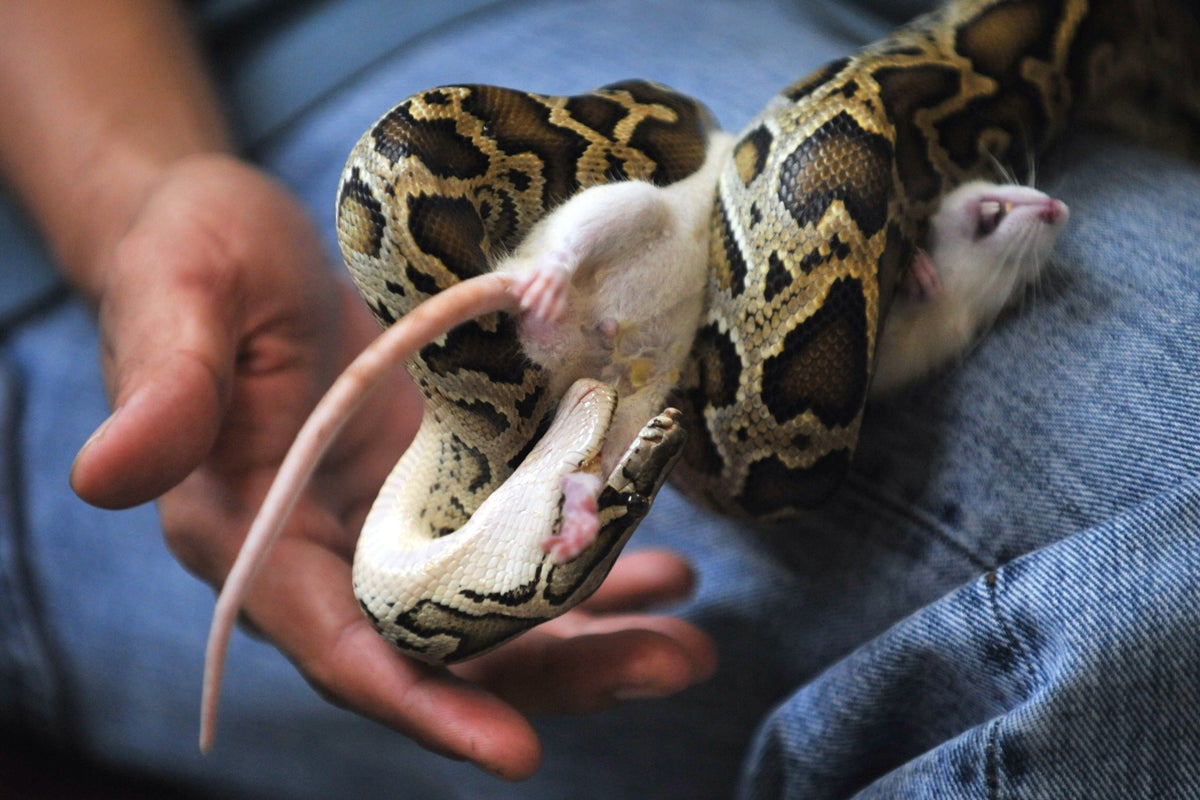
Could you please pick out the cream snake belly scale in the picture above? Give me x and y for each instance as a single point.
(818, 210)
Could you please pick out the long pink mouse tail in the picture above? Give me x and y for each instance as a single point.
(431, 319)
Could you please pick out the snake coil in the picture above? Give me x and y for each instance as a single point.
(818, 211)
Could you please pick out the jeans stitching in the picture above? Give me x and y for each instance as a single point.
(992, 767)
(992, 761)
(992, 581)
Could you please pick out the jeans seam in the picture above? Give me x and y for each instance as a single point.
(992, 761)
(26, 607)
(1009, 634)
(992, 581)
(884, 501)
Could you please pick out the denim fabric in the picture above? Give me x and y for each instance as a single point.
(1070, 672)
(999, 603)
(254, 45)
(28, 276)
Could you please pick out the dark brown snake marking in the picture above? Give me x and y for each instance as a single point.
(820, 209)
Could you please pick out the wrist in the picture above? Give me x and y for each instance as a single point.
(99, 99)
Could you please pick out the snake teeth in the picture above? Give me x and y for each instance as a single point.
(651, 456)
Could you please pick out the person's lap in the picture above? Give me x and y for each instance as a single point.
(1063, 425)
(1061, 461)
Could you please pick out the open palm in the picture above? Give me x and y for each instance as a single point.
(222, 325)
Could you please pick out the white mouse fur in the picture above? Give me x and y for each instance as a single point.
(987, 242)
(612, 287)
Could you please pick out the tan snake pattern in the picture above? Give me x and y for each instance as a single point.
(817, 212)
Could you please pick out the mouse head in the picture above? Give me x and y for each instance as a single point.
(998, 224)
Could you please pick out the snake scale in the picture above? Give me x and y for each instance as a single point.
(818, 210)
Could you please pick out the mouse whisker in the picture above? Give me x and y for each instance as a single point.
(1004, 172)
(998, 168)
(1032, 277)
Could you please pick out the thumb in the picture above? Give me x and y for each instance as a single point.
(141, 451)
(169, 357)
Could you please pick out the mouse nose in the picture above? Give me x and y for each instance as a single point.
(1054, 211)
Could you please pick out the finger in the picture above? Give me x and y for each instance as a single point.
(325, 634)
(169, 357)
(215, 254)
(545, 297)
(436, 709)
(642, 580)
(583, 664)
(558, 308)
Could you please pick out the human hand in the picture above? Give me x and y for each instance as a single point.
(221, 326)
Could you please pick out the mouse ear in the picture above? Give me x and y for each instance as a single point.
(922, 281)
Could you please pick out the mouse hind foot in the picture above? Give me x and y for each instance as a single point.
(580, 517)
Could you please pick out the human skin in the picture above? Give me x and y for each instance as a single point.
(221, 325)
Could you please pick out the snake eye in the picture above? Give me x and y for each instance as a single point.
(991, 213)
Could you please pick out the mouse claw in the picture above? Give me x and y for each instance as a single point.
(543, 290)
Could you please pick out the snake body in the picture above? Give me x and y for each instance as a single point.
(817, 212)
(829, 193)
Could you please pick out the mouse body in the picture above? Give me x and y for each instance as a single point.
(987, 243)
(612, 287)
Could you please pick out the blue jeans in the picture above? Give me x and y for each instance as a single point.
(1002, 600)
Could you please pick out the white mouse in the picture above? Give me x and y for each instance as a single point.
(612, 287)
(987, 243)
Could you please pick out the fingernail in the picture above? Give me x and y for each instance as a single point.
(99, 433)
(96, 436)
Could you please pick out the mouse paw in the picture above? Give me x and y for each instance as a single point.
(922, 281)
(543, 289)
(580, 517)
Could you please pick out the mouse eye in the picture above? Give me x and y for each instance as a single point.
(991, 213)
